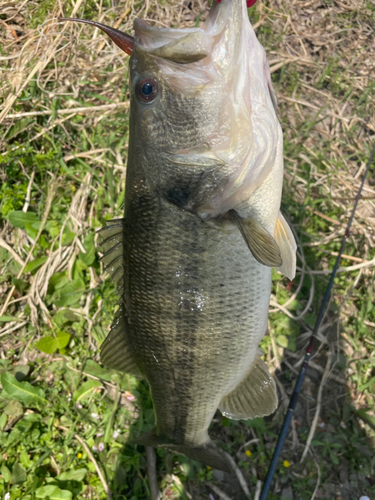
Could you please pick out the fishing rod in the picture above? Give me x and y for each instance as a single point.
(302, 372)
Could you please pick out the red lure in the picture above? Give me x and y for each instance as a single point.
(250, 3)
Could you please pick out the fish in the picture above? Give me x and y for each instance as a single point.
(192, 257)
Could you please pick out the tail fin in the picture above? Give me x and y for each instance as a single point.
(207, 453)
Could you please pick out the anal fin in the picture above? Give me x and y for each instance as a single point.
(255, 396)
(115, 351)
(287, 244)
(260, 242)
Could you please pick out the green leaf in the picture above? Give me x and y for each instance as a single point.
(310, 319)
(369, 419)
(334, 458)
(18, 127)
(72, 475)
(35, 264)
(19, 284)
(62, 339)
(22, 391)
(13, 408)
(53, 493)
(18, 218)
(67, 237)
(88, 258)
(5, 319)
(25, 459)
(30, 230)
(49, 345)
(20, 371)
(86, 389)
(5, 472)
(282, 340)
(3, 421)
(18, 474)
(65, 316)
(362, 387)
(93, 368)
(70, 293)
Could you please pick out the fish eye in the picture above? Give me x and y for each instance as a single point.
(147, 90)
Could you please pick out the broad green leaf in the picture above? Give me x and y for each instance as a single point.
(334, 458)
(72, 475)
(34, 265)
(13, 408)
(18, 474)
(67, 237)
(65, 316)
(53, 493)
(5, 472)
(22, 391)
(3, 421)
(19, 284)
(86, 390)
(25, 459)
(282, 340)
(30, 230)
(20, 371)
(18, 218)
(89, 257)
(59, 280)
(48, 345)
(70, 293)
(93, 368)
(310, 319)
(62, 339)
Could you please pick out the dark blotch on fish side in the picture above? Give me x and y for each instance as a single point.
(179, 196)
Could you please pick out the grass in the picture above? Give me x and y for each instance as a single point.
(65, 420)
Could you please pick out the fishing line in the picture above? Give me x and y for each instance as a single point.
(302, 372)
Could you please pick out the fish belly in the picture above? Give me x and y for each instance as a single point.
(197, 304)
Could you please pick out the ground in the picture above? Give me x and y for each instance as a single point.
(65, 420)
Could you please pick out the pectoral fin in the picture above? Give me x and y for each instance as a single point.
(287, 244)
(255, 396)
(261, 244)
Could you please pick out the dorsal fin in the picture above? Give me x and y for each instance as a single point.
(115, 351)
(111, 242)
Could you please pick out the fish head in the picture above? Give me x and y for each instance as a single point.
(203, 127)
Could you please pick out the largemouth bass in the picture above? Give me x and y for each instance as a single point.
(193, 256)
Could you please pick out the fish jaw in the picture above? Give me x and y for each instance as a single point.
(214, 115)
